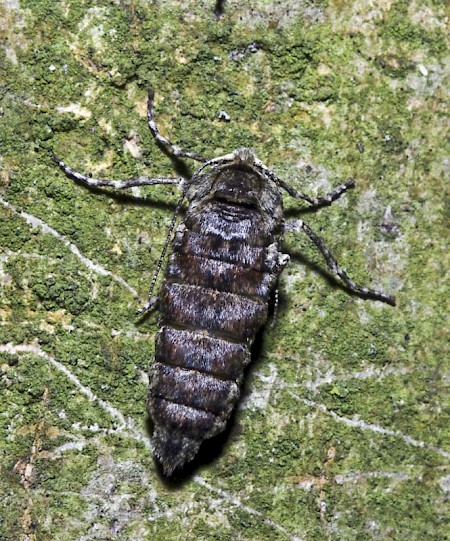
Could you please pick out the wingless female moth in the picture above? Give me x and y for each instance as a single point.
(222, 275)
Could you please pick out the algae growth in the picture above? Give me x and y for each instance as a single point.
(342, 432)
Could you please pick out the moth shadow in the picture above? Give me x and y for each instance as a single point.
(219, 8)
(213, 448)
(328, 277)
(299, 257)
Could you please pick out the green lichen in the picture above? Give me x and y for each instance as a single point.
(351, 89)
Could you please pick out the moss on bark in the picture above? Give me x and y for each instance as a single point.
(342, 433)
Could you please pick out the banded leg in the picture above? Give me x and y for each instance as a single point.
(275, 300)
(174, 150)
(122, 184)
(314, 201)
(319, 201)
(334, 267)
(118, 184)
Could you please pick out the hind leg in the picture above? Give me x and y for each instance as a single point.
(299, 225)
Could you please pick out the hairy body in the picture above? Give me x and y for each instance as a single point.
(222, 273)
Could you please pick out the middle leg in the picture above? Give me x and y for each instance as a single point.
(118, 184)
(313, 201)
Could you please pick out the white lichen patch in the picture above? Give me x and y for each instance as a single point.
(362, 16)
(110, 492)
(424, 15)
(91, 23)
(426, 80)
(106, 126)
(259, 397)
(76, 109)
(368, 202)
(12, 21)
(254, 13)
(444, 483)
(130, 144)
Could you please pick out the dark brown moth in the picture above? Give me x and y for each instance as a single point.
(221, 276)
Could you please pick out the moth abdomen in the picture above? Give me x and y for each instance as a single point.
(198, 351)
(226, 315)
(192, 388)
(220, 275)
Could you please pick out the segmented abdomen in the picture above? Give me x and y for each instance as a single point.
(213, 301)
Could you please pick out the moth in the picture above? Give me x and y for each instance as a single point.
(220, 279)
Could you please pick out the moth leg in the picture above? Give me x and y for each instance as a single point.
(318, 201)
(274, 306)
(314, 201)
(299, 225)
(118, 184)
(172, 149)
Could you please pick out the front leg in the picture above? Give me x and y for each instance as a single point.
(118, 184)
(130, 183)
(172, 149)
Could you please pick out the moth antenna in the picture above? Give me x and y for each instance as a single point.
(152, 300)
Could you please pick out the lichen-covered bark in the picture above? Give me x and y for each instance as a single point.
(343, 432)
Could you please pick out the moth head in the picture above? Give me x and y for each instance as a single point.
(244, 155)
(238, 178)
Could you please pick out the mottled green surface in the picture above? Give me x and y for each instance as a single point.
(343, 432)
